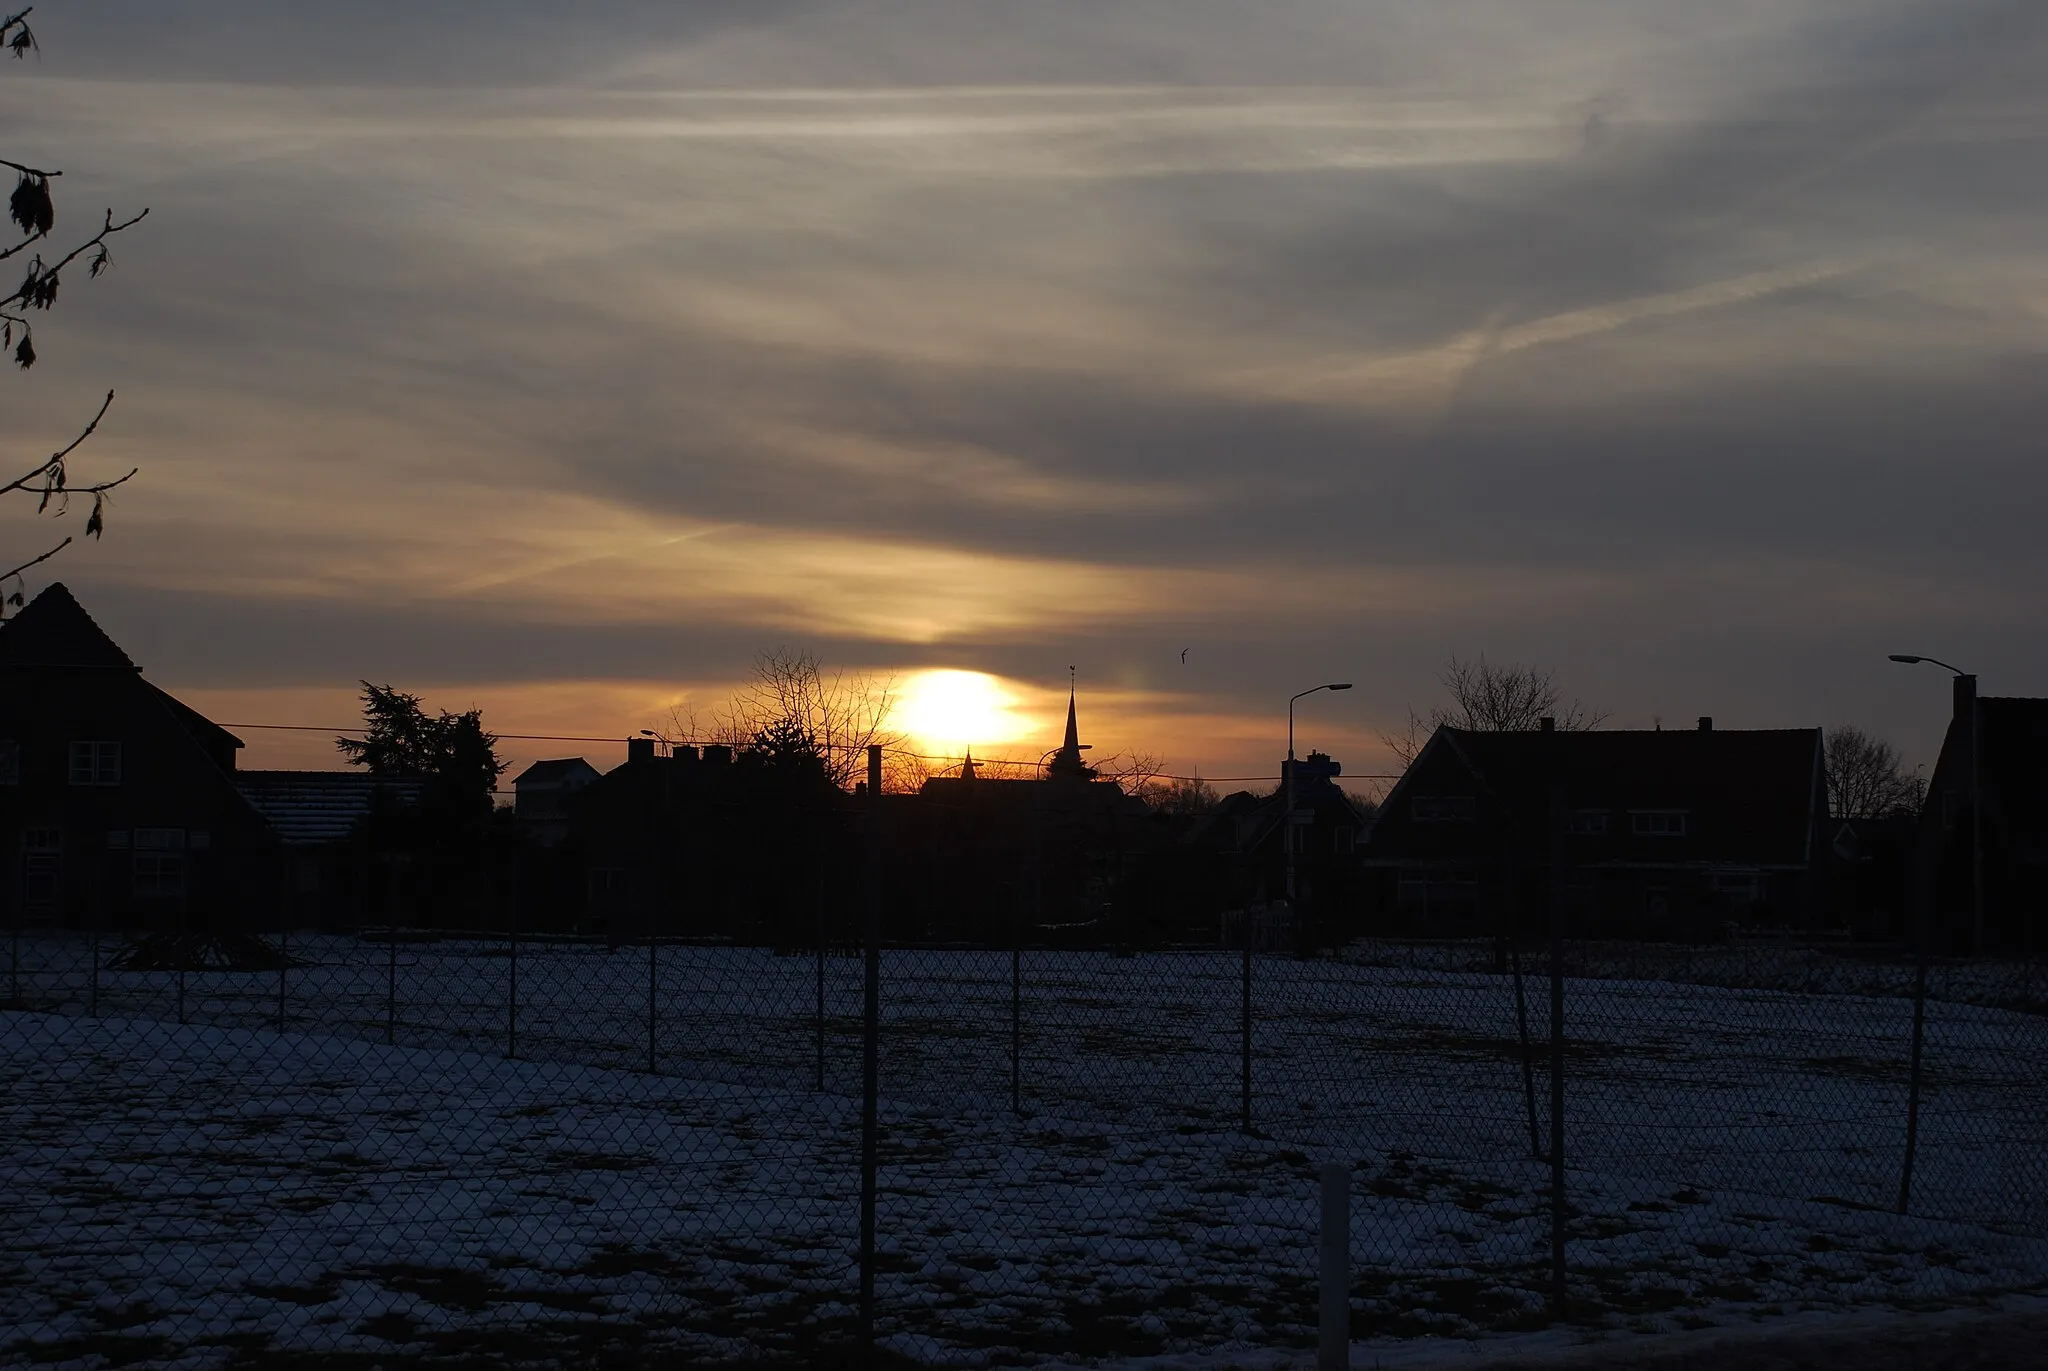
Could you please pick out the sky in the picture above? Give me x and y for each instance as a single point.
(559, 360)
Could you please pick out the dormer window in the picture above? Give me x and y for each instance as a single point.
(1659, 823)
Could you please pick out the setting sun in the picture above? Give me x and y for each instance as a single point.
(953, 710)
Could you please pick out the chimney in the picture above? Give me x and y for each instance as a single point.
(1547, 724)
(1706, 723)
(639, 750)
(1966, 697)
(717, 754)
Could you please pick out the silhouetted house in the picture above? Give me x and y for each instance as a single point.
(1242, 846)
(983, 859)
(1648, 834)
(2013, 749)
(704, 843)
(541, 797)
(1875, 868)
(118, 804)
(334, 871)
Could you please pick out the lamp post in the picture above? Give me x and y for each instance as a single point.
(1288, 826)
(1976, 795)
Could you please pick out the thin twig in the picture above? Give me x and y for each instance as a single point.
(25, 170)
(33, 560)
(107, 230)
(21, 482)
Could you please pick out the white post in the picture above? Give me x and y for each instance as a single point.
(1334, 1345)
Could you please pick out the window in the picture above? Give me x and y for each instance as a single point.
(1658, 823)
(42, 840)
(159, 876)
(160, 839)
(1443, 809)
(95, 763)
(10, 762)
(1586, 821)
(41, 861)
(198, 839)
(117, 839)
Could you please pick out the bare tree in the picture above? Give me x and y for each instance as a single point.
(791, 697)
(1867, 778)
(33, 211)
(1179, 795)
(1493, 699)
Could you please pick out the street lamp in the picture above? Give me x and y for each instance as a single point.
(1976, 795)
(1289, 769)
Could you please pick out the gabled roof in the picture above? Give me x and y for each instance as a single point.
(203, 729)
(319, 806)
(54, 630)
(1760, 785)
(553, 770)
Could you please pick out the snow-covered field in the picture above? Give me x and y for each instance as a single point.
(373, 1174)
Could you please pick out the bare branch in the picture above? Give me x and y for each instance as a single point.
(23, 480)
(7, 575)
(26, 170)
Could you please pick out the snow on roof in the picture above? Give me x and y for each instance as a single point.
(318, 806)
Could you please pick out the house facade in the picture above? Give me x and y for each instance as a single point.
(1657, 835)
(2012, 753)
(118, 803)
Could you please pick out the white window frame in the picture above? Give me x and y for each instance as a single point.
(1589, 823)
(1443, 809)
(1660, 823)
(95, 761)
(158, 875)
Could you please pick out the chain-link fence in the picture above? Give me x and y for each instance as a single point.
(392, 1141)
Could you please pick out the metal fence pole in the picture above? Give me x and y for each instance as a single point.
(512, 968)
(1334, 1340)
(93, 994)
(183, 943)
(1016, 1011)
(1558, 1210)
(1528, 1051)
(1244, 1025)
(99, 917)
(871, 1023)
(391, 983)
(1914, 1073)
(818, 1014)
(653, 1004)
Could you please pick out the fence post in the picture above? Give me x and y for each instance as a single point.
(653, 1003)
(99, 916)
(1016, 1009)
(1914, 1070)
(871, 1023)
(1244, 1025)
(1334, 1342)
(183, 943)
(818, 1014)
(391, 983)
(512, 968)
(1558, 1212)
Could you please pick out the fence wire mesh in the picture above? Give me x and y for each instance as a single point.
(395, 1142)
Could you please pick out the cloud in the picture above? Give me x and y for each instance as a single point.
(1011, 334)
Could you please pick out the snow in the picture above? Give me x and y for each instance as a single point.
(176, 1192)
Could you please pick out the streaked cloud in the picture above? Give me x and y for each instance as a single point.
(1693, 349)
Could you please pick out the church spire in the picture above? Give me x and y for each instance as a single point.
(1067, 761)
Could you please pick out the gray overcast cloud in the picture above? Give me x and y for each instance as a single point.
(511, 351)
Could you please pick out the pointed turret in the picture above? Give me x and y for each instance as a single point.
(967, 767)
(1067, 761)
